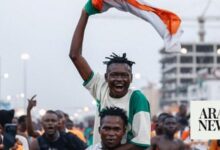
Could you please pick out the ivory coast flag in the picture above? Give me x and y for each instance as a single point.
(166, 23)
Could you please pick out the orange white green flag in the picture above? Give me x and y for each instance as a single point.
(166, 23)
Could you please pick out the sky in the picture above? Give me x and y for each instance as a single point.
(44, 30)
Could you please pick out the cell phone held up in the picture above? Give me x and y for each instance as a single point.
(10, 131)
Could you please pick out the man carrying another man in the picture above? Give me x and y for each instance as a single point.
(112, 128)
(112, 90)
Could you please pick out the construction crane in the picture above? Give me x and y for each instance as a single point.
(202, 19)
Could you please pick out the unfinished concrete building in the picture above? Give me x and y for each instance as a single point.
(182, 69)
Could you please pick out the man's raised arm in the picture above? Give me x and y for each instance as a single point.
(76, 48)
(30, 129)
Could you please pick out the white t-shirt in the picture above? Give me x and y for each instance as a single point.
(24, 142)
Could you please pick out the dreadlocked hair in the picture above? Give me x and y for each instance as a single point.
(114, 111)
(114, 58)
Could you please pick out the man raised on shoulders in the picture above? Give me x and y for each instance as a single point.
(112, 90)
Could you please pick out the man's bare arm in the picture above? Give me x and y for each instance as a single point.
(76, 48)
(30, 128)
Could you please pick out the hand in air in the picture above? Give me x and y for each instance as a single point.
(32, 102)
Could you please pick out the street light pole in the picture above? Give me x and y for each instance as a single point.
(2, 76)
(25, 82)
(25, 57)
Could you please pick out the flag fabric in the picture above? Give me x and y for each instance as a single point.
(166, 23)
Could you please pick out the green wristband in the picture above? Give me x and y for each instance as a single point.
(90, 9)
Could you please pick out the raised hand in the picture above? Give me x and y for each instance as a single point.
(94, 7)
(30, 129)
(31, 103)
(90, 8)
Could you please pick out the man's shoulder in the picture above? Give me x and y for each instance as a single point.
(155, 139)
(138, 94)
(68, 135)
(75, 140)
(94, 77)
(41, 141)
(139, 101)
(40, 138)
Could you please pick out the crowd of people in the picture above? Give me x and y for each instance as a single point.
(122, 122)
(171, 131)
(57, 131)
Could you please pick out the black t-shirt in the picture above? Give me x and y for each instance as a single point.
(66, 141)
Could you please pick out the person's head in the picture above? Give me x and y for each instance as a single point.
(113, 122)
(50, 123)
(69, 124)
(22, 123)
(182, 110)
(170, 125)
(6, 116)
(159, 123)
(61, 117)
(80, 125)
(66, 116)
(153, 122)
(15, 120)
(90, 123)
(118, 74)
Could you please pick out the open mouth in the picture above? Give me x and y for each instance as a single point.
(119, 86)
(110, 140)
(50, 128)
